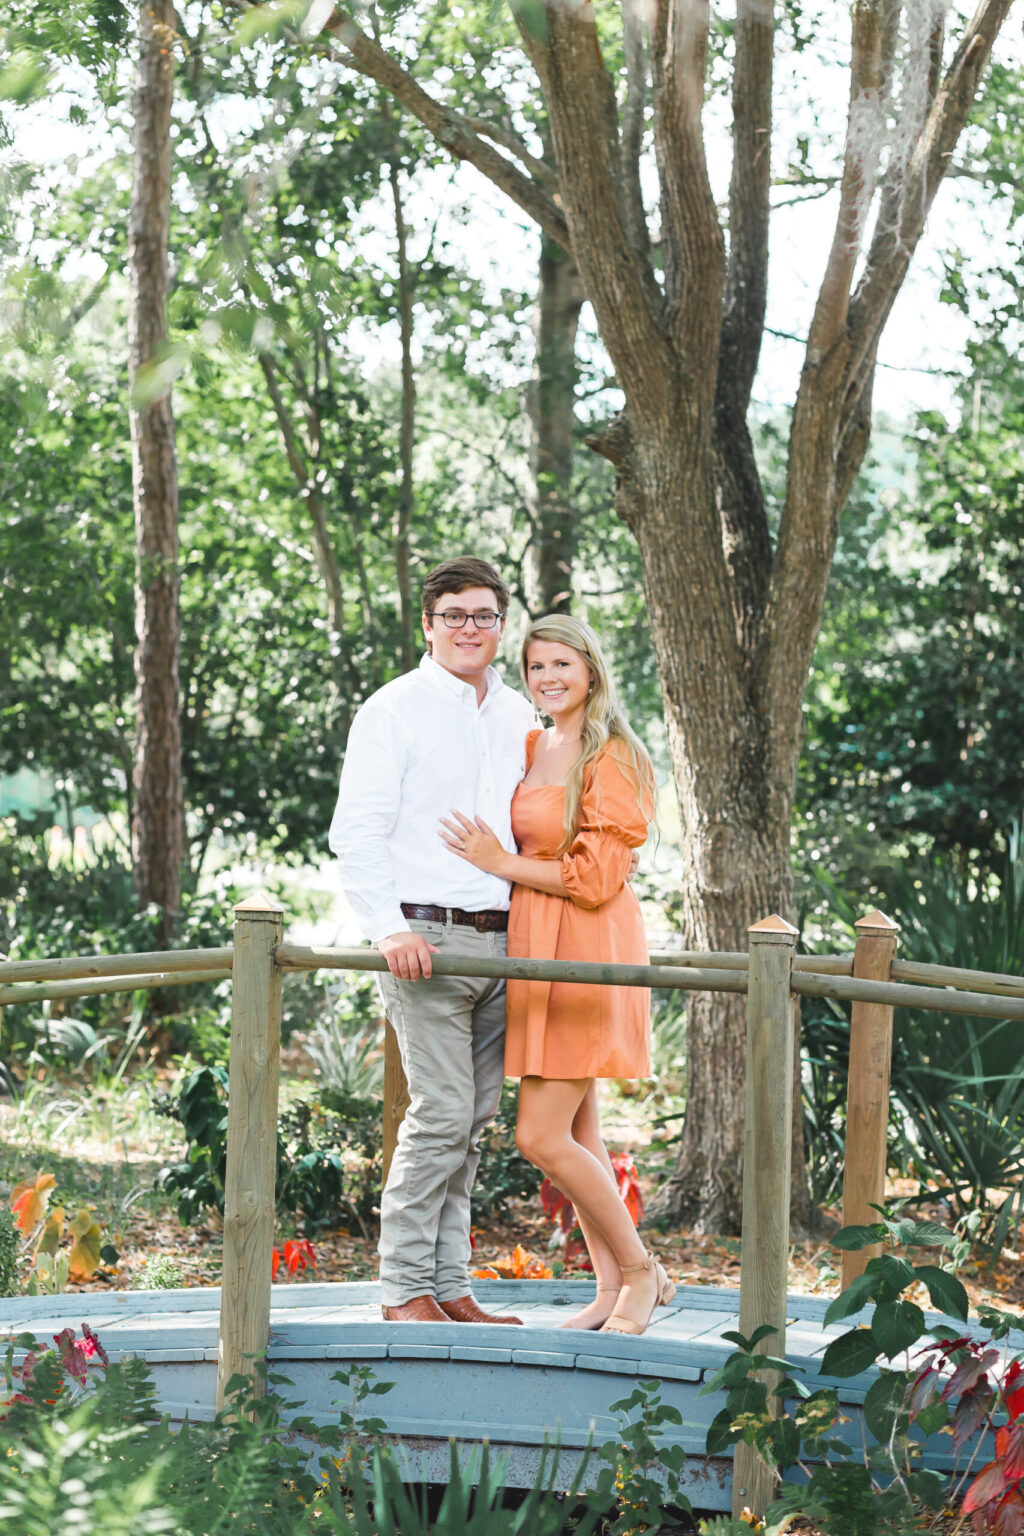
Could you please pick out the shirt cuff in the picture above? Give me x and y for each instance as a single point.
(384, 922)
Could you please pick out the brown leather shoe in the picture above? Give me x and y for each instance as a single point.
(419, 1309)
(464, 1309)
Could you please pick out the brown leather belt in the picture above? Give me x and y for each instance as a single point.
(484, 922)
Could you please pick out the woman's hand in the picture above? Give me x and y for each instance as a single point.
(475, 842)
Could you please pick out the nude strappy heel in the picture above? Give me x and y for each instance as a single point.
(593, 1327)
(666, 1291)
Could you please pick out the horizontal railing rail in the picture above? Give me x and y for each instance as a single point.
(53, 991)
(165, 961)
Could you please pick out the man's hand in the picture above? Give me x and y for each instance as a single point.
(408, 955)
(634, 865)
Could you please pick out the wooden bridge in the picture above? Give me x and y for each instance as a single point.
(471, 1381)
(518, 1388)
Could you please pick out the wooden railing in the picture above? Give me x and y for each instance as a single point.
(770, 973)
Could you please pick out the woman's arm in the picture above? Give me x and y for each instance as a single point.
(476, 843)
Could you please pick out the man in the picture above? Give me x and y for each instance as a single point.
(449, 736)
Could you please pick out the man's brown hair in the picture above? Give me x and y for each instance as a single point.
(459, 575)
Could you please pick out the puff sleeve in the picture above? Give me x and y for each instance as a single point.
(613, 822)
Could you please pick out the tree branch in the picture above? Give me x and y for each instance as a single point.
(749, 203)
(449, 127)
(511, 141)
(693, 247)
(906, 210)
(865, 131)
(618, 280)
(633, 128)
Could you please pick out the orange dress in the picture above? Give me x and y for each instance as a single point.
(562, 1029)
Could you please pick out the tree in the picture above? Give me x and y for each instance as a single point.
(734, 614)
(158, 819)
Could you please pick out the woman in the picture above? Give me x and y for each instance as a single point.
(585, 803)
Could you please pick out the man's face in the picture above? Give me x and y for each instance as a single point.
(469, 651)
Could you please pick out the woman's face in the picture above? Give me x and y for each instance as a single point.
(558, 679)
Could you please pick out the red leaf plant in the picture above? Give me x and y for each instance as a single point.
(995, 1498)
(298, 1255)
(76, 1356)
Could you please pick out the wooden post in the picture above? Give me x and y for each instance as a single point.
(251, 1141)
(767, 1149)
(396, 1098)
(867, 1106)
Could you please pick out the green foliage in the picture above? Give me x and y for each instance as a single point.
(915, 737)
(9, 1246)
(789, 1425)
(328, 1152)
(198, 1180)
(159, 1273)
(957, 1106)
(643, 1473)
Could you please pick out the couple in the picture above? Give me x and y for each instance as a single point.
(444, 775)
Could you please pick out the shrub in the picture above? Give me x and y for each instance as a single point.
(8, 1253)
(952, 1391)
(159, 1273)
(957, 1117)
(328, 1152)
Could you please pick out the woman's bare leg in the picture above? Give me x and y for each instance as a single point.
(544, 1133)
(586, 1129)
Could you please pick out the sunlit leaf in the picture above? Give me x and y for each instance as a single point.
(29, 1200)
(50, 1237)
(84, 1257)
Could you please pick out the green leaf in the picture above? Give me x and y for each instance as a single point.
(933, 1417)
(884, 1410)
(751, 1396)
(850, 1354)
(854, 1238)
(928, 1488)
(929, 1234)
(856, 1296)
(895, 1271)
(749, 1345)
(721, 1433)
(784, 1439)
(896, 1325)
(269, 20)
(945, 1290)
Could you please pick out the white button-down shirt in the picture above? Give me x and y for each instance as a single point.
(420, 748)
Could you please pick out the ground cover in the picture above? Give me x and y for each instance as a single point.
(105, 1148)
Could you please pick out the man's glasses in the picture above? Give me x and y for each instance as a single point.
(454, 618)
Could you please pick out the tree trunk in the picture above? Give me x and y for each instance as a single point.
(551, 408)
(157, 827)
(406, 489)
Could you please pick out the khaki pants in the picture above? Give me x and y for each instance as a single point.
(451, 1033)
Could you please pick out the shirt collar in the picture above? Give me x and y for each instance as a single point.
(439, 677)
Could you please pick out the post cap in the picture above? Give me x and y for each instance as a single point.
(259, 901)
(774, 926)
(876, 922)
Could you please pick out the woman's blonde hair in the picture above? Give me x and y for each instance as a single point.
(603, 719)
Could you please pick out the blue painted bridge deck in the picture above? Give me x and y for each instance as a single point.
(516, 1387)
